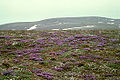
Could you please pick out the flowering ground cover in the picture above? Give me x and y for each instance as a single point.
(60, 55)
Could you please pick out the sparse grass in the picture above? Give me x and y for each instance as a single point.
(114, 66)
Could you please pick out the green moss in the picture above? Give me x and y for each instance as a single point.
(6, 77)
(86, 67)
(20, 66)
(23, 72)
(115, 66)
(17, 45)
(46, 63)
(65, 55)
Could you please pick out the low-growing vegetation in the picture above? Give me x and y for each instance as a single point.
(60, 55)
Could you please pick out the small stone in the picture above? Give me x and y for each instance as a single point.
(53, 59)
(118, 54)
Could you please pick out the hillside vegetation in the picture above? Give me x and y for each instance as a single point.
(60, 55)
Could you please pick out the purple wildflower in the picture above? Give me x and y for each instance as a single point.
(6, 73)
(87, 49)
(19, 55)
(45, 75)
(57, 69)
(36, 58)
(15, 60)
(89, 77)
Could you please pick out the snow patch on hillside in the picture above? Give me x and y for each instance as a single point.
(55, 29)
(77, 27)
(100, 22)
(74, 28)
(110, 23)
(65, 29)
(33, 27)
(89, 26)
(112, 20)
(59, 23)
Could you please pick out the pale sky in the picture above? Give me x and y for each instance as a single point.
(36, 10)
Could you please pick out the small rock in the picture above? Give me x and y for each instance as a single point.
(118, 54)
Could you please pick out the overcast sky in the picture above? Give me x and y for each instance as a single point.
(36, 10)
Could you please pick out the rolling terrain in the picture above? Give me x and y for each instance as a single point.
(65, 23)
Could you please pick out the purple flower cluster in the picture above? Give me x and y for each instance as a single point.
(15, 60)
(55, 53)
(116, 62)
(87, 49)
(70, 60)
(84, 57)
(19, 55)
(108, 75)
(95, 56)
(6, 37)
(66, 51)
(6, 73)
(57, 69)
(36, 58)
(46, 75)
(36, 70)
(89, 77)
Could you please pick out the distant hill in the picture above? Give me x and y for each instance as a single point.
(65, 23)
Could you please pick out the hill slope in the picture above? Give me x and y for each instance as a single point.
(65, 24)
